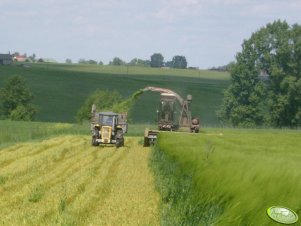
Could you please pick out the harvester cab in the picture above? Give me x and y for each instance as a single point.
(108, 128)
(167, 119)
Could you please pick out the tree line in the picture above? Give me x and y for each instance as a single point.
(265, 84)
(156, 60)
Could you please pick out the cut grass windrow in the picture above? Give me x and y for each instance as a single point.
(65, 181)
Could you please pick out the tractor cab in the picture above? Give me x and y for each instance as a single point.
(108, 119)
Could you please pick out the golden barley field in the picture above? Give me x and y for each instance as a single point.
(66, 181)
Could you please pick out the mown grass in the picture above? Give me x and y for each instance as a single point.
(61, 89)
(227, 177)
(65, 181)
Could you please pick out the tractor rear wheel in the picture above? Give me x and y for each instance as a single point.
(118, 143)
(119, 139)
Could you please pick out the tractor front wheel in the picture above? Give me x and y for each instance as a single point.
(94, 142)
(146, 142)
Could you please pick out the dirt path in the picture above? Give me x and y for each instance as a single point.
(65, 181)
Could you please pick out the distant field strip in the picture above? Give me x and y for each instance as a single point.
(65, 181)
(132, 70)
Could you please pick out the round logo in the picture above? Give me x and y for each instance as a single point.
(282, 215)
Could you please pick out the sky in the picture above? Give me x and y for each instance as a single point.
(207, 33)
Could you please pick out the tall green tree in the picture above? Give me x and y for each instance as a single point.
(242, 105)
(16, 100)
(273, 51)
(280, 59)
(157, 60)
(117, 61)
(139, 62)
(68, 61)
(179, 62)
(104, 101)
(92, 62)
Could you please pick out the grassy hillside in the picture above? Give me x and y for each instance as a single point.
(227, 177)
(60, 89)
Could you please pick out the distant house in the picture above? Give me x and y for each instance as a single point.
(6, 59)
(20, 58)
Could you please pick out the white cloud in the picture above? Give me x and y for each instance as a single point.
(294, 4)
(173, 9)
(229, 2)
(271, 10)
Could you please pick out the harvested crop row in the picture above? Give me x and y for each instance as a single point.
(65, 181)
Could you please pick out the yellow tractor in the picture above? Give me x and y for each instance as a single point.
(108, 128)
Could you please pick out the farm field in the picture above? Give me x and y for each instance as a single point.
(227, 176)
(61, 89)
(218, 177)
(64, 181)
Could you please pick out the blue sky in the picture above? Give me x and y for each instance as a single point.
(207, 33)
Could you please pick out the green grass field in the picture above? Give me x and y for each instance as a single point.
(227, 177)
(61, 89)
